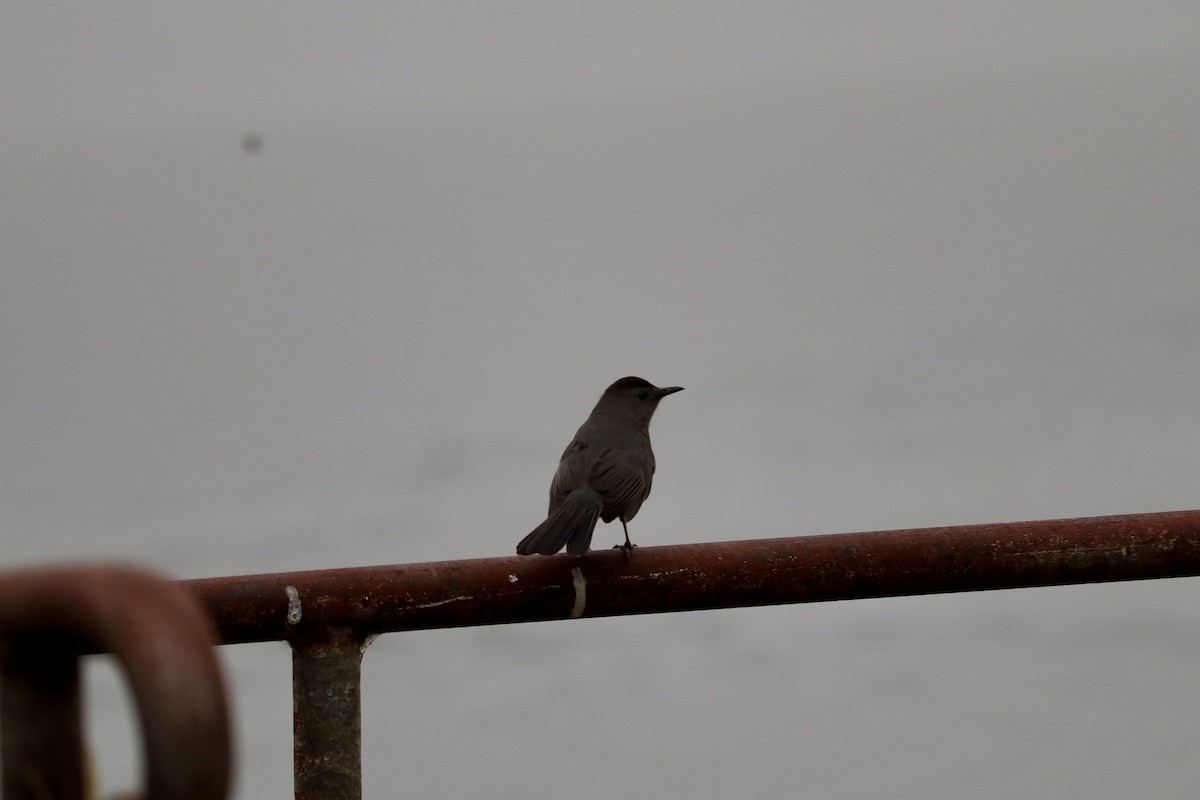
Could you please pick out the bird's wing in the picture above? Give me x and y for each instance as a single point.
(622, 477)
(571, 474)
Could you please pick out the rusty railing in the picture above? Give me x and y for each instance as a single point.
(328, 616)
(163, 643)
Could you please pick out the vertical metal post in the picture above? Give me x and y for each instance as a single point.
(41, 749)
(327, 716)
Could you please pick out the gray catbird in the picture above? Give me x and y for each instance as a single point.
(605, 472)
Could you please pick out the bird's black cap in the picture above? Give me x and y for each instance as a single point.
(630, 383)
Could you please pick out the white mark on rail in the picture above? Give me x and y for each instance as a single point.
(444, 602)
(294, 612)
(580, 592)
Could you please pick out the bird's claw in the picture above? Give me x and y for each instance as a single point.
(626, 548)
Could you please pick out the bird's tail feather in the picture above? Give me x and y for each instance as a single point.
(571, 524)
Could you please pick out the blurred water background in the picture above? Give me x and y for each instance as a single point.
(916, 264)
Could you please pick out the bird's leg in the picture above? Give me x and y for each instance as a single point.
(628, 546)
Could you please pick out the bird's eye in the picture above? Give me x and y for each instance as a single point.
(643, 395)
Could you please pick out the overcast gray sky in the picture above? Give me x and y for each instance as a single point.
(916, 263)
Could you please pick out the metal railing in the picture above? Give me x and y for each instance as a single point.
(328, 616)
(165, 646)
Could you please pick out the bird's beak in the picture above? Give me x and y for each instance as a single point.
(669, 390)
